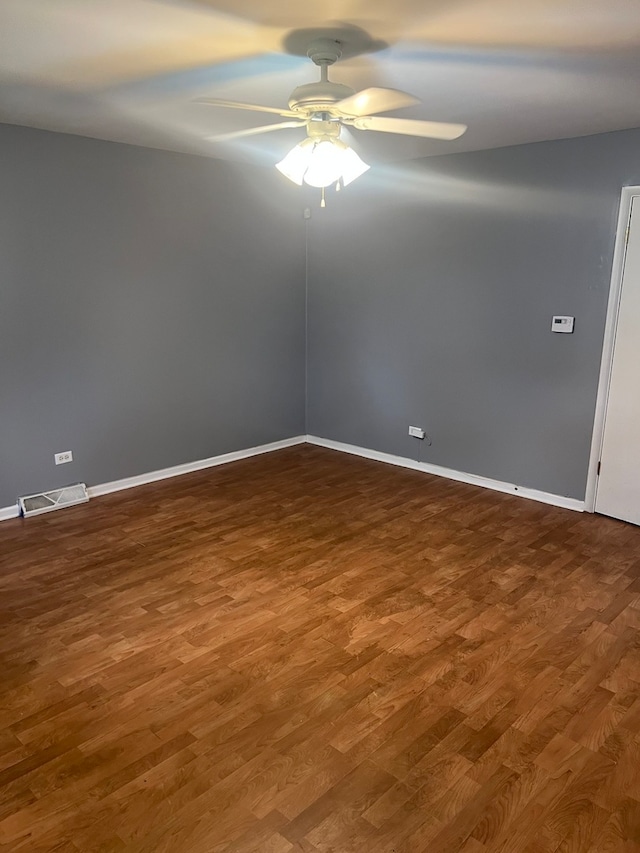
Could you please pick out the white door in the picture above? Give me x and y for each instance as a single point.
(618, 488)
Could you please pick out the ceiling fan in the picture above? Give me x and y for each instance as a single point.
(324, 108)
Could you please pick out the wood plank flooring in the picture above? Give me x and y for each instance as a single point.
(310, 652)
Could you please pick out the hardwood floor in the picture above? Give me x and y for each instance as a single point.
(311, 652)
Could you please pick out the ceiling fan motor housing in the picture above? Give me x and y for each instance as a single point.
(316, 96)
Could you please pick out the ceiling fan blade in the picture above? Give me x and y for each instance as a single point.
(410, 127)
(375, 100)
(238, 105)
(252, 131)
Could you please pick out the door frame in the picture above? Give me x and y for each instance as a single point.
(611, 323)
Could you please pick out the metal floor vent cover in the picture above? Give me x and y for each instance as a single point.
(55, 499)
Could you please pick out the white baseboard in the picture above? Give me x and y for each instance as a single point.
(7, 512)
(472, 479)
(189, 467)
(175, 471)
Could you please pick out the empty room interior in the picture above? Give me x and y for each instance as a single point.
(319, 426)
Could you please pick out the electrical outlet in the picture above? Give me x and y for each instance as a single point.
(416, 432)
(61, 458)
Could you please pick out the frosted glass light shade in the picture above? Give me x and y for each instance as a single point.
(352, 166)
(325, 164)
(322, 163)
(296, 162)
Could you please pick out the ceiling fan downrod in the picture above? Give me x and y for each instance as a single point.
(323, 52)
(316, 97)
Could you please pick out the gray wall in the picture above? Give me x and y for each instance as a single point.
(151, 309)
(431, 292)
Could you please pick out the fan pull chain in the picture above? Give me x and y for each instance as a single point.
(322, 200)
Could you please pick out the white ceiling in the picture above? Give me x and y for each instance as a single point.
(128, 70)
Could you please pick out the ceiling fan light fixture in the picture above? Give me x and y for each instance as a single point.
(296, 162)
(324, 108)
(352, 167)
(321, 163)
(325, 164)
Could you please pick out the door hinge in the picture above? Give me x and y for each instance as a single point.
(598, 471)
(626, 236)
